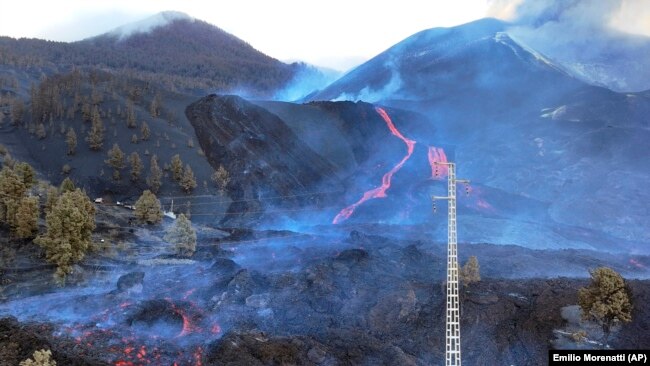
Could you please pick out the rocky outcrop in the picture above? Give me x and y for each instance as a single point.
(263, 155)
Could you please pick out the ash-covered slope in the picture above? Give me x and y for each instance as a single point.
(477, 59)
(264, 156)
(558, 161)
(284, 154)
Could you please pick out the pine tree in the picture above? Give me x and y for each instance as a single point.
(136, 166)
(51, 198)
(12, 192)
(145, 131)
(148, 209)
(17, 111)
(154, 107)
(26, 174)
(95, 137)
(134, 139)
(26, 224)
(71, 141)
(67, 186)
(221, 177)
(470, 273)
(130, 115)
(182, 236)
(188, 182)
(607, 300)
(177, 167)
(40, 131)
(69, 227)
(86, 112)
(115, 160)
(154, 180)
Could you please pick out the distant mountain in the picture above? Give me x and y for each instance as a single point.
(146, 25)
(431, 64)
(176, 44)
(170, 47)
(547, 150)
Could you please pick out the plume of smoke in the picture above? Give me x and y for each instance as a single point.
(307, 80)
(591, 39)
(371, 95)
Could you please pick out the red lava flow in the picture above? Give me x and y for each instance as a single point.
(379, 192)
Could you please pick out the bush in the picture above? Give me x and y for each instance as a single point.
(40, 358)
(606, 300)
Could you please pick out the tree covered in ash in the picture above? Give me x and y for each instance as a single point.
(188, 182)
(154, 180)
(116, 160)
(183, 236)
(471, 271)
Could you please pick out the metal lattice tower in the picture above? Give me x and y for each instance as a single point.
(452, 320)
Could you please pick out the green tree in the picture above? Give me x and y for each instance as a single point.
(115, 160)
(12, 191)
(136, 166)
(177, 167)
(148, 209)
(188, 182)
(67, 186)
(69, 227)
(183, 236)
(26, 225)
(221, 178)
(154, 180)
(51, 198)
(607, 300)
(470, 273)
(26, 174)
(71, 141)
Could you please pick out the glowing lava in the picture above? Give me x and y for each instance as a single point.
(437, 155)
(380, 191)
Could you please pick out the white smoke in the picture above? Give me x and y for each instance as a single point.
(148, 24)
(370, 95)
(592, 39)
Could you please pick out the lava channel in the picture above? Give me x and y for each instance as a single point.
(379, 192)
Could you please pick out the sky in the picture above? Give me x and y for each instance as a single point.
(337, 34)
